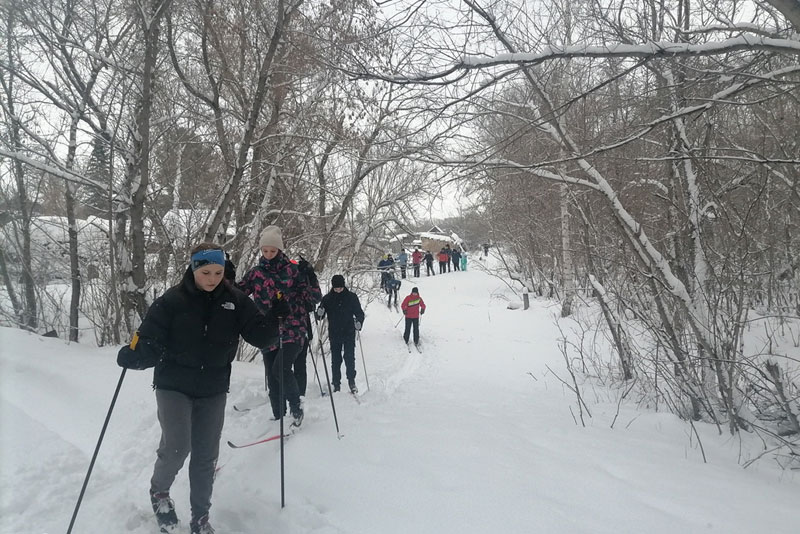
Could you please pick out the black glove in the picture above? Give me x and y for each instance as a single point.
(140, 354)
(279, 307)
(422, 312)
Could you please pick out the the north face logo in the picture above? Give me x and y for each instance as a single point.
(229, 305)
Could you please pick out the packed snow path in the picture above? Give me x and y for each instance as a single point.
(474, 435)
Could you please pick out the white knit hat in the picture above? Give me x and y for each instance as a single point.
(271, 237)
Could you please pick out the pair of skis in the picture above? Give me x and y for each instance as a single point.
(292, 429)
(246, 407)
(416, 346)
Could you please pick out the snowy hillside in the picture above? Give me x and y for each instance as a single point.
(472, 436)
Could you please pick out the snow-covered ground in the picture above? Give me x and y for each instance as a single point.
(475, 435)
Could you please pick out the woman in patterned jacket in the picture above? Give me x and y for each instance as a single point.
(278, 282)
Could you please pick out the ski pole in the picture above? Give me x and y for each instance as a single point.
(327, 378)
(282, 405)
(96, 450)
(398, 322)
(363, 362)
(316, 372)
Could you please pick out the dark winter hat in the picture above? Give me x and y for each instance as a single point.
(414, 290)
(337, 280)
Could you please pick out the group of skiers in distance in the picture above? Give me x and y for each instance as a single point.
(446, 257)
(190, 336)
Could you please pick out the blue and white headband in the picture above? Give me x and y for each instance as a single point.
(205, 257)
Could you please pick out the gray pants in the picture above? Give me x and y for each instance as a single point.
(189, 425)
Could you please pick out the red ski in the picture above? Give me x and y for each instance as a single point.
(271, 438)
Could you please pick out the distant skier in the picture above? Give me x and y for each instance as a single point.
(385, 266)
(429, 264)
(449, 253)
(392, 286)
(402, 260)
(455, 257)
(413, 306)
(444, 261)
(416, 260)
(464, 261)
(345, 317)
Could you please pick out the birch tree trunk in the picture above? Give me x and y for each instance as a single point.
(72, 233)
(566, 248)
(566, 255)
(29, 318)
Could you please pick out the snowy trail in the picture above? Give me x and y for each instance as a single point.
(459, 439)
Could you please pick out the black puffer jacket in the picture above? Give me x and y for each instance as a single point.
(342, 309)
(199, 332)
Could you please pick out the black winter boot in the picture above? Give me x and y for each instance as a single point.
(201, 526)
(352, 384)
(297, 415)
(164, 508)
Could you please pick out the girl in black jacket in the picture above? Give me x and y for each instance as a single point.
(191, 334)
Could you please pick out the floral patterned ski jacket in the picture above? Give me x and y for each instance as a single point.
(280, 274)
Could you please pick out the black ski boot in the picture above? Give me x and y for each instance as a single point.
(201, 526)
(353, 388)
(297, 415)
(164, 508)
(336, 387)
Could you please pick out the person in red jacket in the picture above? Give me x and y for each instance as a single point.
(444, 259)
(416, 260)
(413, 306)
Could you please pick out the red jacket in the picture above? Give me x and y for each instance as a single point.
(443, 257)
(416, 257)
(412, 306)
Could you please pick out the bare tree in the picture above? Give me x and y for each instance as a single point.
(13, 140)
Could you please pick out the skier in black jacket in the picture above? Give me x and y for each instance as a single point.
(345, 316)
(429, 264)
(455, 257)
(190, 334)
